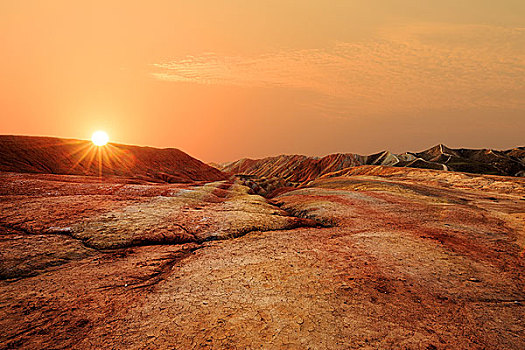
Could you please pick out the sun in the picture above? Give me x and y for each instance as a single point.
(100, 138)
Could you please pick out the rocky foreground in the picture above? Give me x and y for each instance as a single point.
(372, 258)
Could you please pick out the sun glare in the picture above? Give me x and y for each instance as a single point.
(100, 138)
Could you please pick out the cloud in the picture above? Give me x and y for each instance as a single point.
(404, 69)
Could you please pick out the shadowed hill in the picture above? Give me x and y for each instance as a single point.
(47, 155)
(297, 168)
(480, 161)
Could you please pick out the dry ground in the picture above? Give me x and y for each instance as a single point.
(406, 259)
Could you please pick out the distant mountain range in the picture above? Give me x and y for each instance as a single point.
(298, 168)
(48, 155)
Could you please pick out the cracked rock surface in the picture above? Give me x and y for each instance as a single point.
(375, 259)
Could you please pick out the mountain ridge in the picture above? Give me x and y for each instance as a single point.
(300, 168)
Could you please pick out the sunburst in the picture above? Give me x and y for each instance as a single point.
(100, 155)
(100, 138)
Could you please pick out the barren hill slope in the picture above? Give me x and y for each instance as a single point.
(295, 168)
(47, 155)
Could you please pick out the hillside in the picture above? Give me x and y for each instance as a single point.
(47, 155)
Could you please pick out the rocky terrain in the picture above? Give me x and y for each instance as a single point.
(364, 257)
(297, 168)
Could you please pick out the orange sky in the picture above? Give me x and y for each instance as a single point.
(228, 79)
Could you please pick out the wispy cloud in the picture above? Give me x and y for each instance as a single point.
(429, 66)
